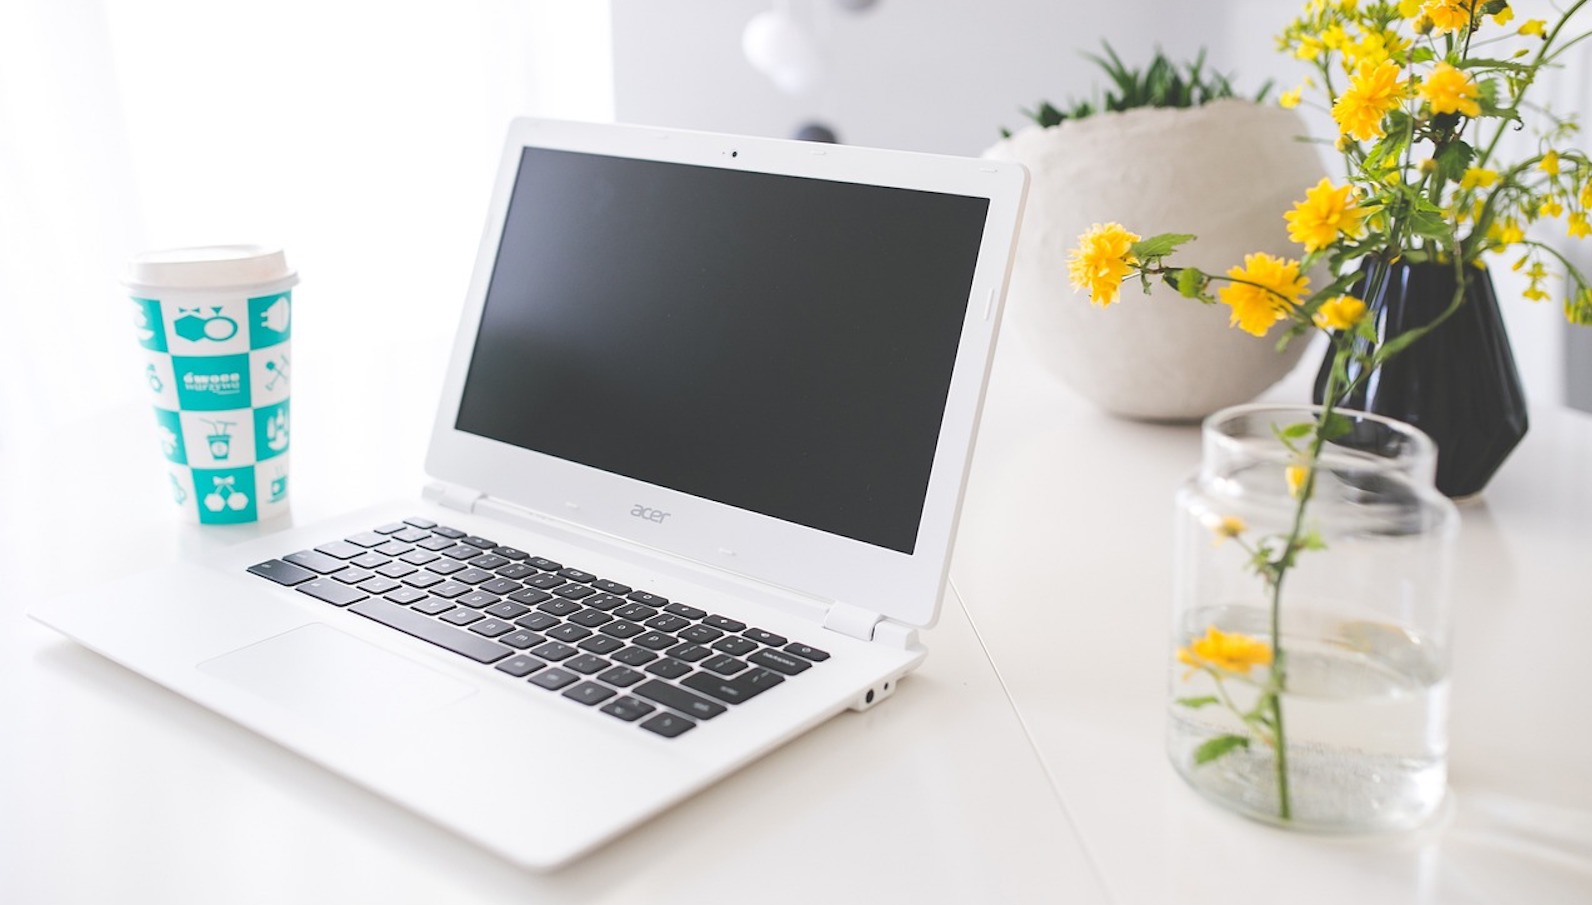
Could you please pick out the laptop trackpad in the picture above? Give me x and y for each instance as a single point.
(332, 677)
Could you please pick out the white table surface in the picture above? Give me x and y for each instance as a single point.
(1064, 563)
(1023, 763)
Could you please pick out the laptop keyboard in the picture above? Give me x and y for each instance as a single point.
(633, 655)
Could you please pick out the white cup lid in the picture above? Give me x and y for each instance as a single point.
(208, 267)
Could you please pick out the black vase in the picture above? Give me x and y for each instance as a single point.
(1457, 383)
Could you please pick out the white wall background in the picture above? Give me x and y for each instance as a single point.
(945, 75)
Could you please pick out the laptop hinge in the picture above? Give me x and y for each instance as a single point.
(851, 620)
(462, 499)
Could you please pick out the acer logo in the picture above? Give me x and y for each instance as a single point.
(648, 513)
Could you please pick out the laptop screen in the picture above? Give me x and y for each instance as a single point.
(778, 344)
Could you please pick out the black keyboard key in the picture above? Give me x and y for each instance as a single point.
(669, 668)
(676, 698)
(559, 607)
(554, 679)
(611, 587)
(687, 612)
(461, 552)
(621, 676)
(423, 523)
(489, 561)
(333, 592)
(461, 616)
(739, 647)
(353, 576)
(520, 639)
(521, 665)
(340, 549)
(553, 650)
(735, 690)
(529, 596)
(446, 567)
(316, 562)
(546, 565)
(480, 543)
(476, 600)
(406, 596)
(423, 579)
(450, 589)
(418, 557)
(568, 632)
(431, 606)
(537, 622)
(601, 644)
(507, 609)
(369, 560)
(511, 553)
(578, 575)
(668, 725)
(603, 601)
(491, 628)
(410, 536)
(378, 586)
(435, 543)
(762, 637)
(500, 586)
(689, 652)
(391, 528)
(724, 623)
(586, 664)
(394, 548)
(574, 591)
(654, 640)
(283, 573)
(445, 531)
(545, 582)
(789, 664)
(667, 622)
(425, 628)
(396, 570)
(590, 693)
(634, 656)
(635, 612)
(472, 576)
(621, 629)
(367, 539)
(628, 709)
(724, 665)
(516, 571)
(591, 618)
(700, 634)
(647, 598)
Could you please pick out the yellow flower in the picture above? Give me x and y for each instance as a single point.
(1296, 476)
(1220, 650)
(1290, 98)
(1586, 195)
(1536, 27)
(1476, 177)
(1450, 91)
(1550, 208)
(1372, 94)
(1310, 47)
(1503, 16)
(1577, 225)
(1409, 9)
(1550, 163)
(1450, 15)
(1340, 313)
(1507, 233)
(1228, 526)
(1536, 273)
(1326, 213)
(1266, 289)
(1102, 260)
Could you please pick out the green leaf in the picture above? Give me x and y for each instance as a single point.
(1159, 246)
(1453, 160)
(1334, 426)
(1297, 431)
(1196, 703)
(1190, 282)
(1218, 746)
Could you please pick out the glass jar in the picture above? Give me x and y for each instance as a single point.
(1309, 661)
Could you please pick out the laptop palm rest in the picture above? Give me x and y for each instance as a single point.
(329, 677)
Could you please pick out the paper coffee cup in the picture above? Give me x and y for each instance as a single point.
(215, 324)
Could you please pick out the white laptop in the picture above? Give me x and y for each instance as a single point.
(696, 472)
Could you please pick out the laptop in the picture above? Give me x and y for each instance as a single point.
(694, 480)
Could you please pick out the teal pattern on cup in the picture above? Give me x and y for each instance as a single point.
(215, 325)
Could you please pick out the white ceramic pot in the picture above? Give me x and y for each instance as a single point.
(1226, 172)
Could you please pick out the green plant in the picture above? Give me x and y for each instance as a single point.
(1162, 83)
